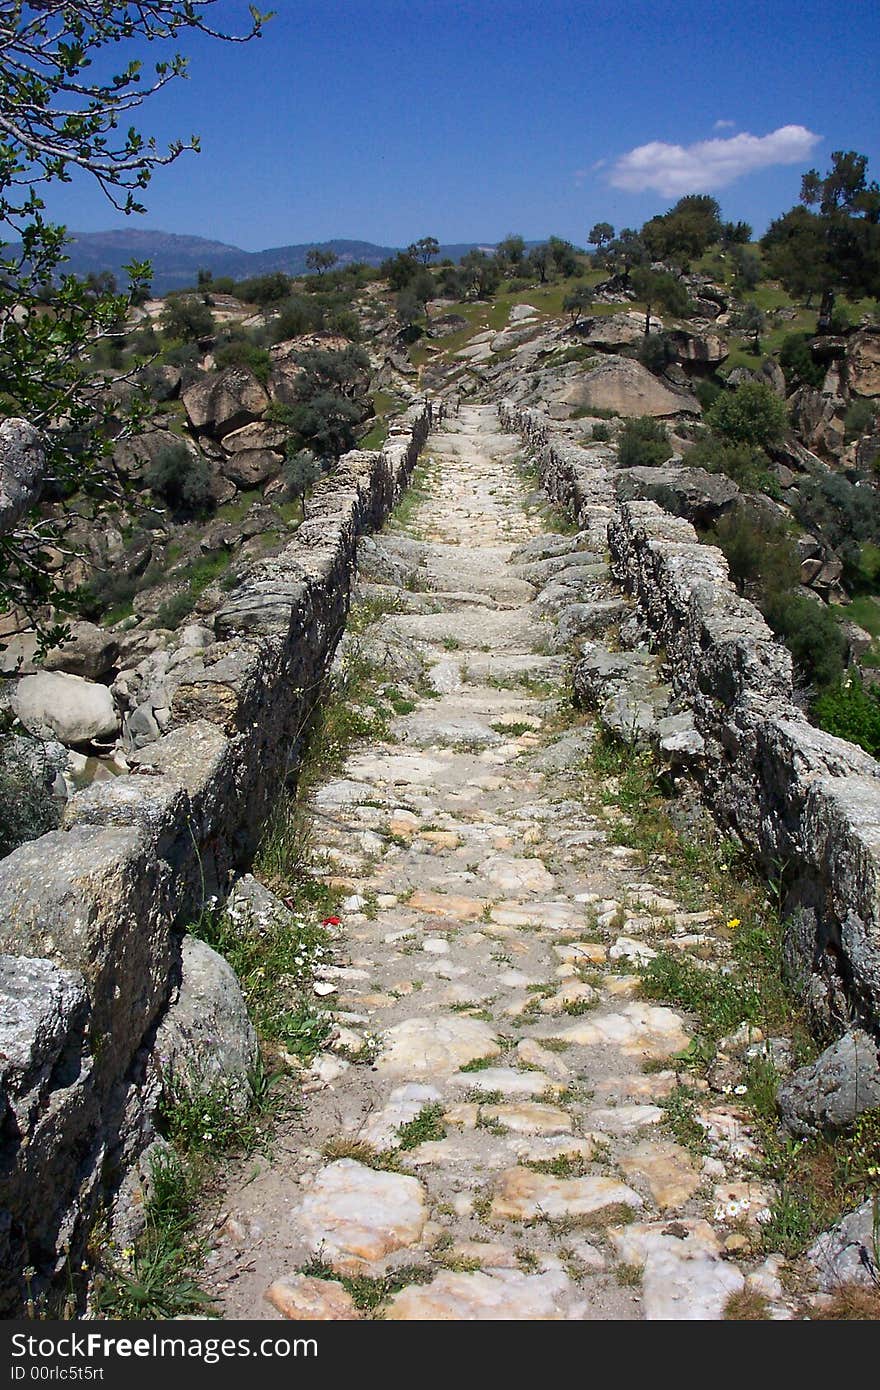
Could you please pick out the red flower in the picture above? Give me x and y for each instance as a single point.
(332, 922)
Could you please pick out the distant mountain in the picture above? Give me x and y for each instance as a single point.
(176, 260)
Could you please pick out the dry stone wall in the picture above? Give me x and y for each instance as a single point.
(91, 915)
(805, 803)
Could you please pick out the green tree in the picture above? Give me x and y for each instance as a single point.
(685, 231)
(751, 414)
(578, 303)
(66, 104)
(181, 479)
(425, 250)
(399, 270)
(657, 288)
(301, 472)
(601, 233)
(321, 260)
(511, 252)
(644, 443)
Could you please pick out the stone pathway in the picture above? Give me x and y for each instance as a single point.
(490, 1038)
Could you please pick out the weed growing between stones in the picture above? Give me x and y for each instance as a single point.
(369, 1292)
(426, 1127)
(156, 1277)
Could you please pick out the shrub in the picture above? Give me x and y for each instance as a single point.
(264, 289)
(653, 352)
(187, 318)
(328, 423)
(181, 479)
(243, 352)
(644, 443)
(760, 554)
(850, 711)
(860, 417)
(601, 434)
(707, 392)
(797, 362)
(174, 610)
(812, 636)
(747, 465)
(751, 414)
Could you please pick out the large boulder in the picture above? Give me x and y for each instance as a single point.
(815, 417)
(251, 467)
(224, 401)
(625, 386)
(831, 1093)
(848, 1253)
(698, 349)
(206, 1041)
(610, 331)
(55, 704)
(132, 456)
(261, 434)
(22, 470)
(89, 652)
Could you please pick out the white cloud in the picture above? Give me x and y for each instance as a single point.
(724, 125)
(676, 169)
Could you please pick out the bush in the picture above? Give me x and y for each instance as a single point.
(174, 610)
(746, 465)
(644, 443)
(850, 711)
(327, 423)
(27, 807)
(264, 289)
(653, 352)
(812, 636)
(243, 352)
(601, 434)
(187, 318)
(798, 364)
(860, 417)
(760, 554)
(752, 414)
(707, 392)
(180, 479)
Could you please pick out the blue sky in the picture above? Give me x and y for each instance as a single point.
(393, 119)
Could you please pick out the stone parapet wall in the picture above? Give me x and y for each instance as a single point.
(91, 915)
(806, 804)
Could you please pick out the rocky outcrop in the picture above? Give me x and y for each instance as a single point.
(626, 387)
(863, 362)
(90, 914)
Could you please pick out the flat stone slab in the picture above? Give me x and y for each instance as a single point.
(356, 1215)
(447, 905)
(516, 875)
(638, 1029)
(683, 1277)
(522, 1195)
(666, 1168)
(305, 1299)
(506, 1080)
(479, 1296)
(530, 1118)
(404, 1104)
(623, 1119)
(435, 1046)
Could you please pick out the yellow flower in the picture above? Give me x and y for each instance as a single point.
(734, 922)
